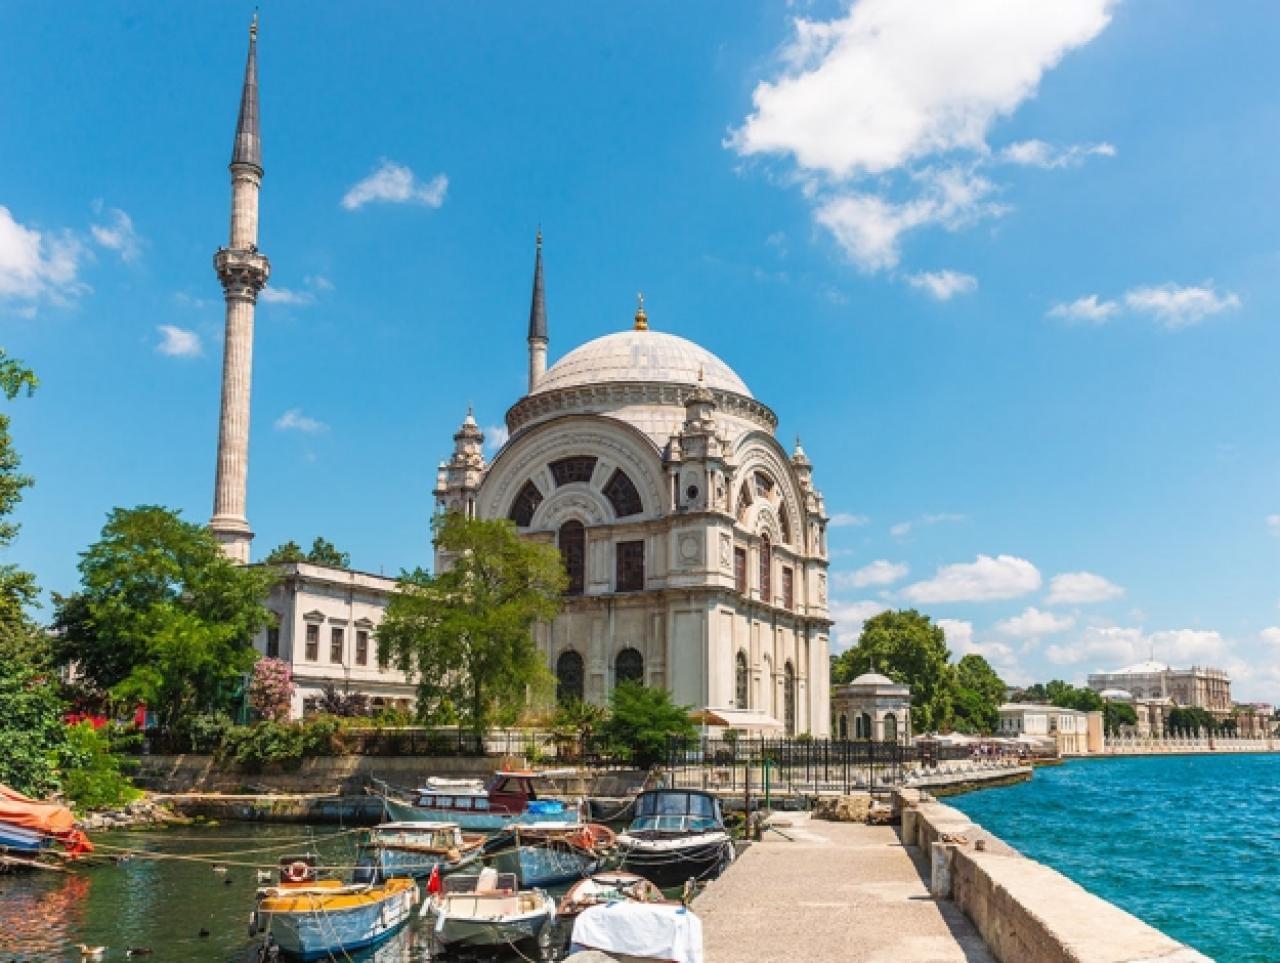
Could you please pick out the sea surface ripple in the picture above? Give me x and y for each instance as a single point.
(1190, 844)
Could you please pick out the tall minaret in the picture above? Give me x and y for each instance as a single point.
(243, 272)
(537, 323)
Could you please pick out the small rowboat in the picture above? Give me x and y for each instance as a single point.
(311, 918)
(607, 888)
(487, 910)
(551, 854)
(416, 848)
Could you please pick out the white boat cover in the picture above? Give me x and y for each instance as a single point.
(652, 930)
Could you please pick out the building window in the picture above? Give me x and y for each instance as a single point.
(764, 484)
(740, 681)
(337, 637)
(629, 667)
(273, 641)
(569, 677)
(744, 502)
(573, 552)
(788, 589)
(766, 563)
(862, 727)
(383, 660)
(890, 727)
(576, 469)
(789, 698)
(526, 503)
(362, 647)
(630, 566)
(740, 570)
(313, 642)
(622, 495)
(844, 727)
(784, 524)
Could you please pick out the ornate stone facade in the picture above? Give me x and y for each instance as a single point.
(872, 706)
(1155, 688)
(695, 545)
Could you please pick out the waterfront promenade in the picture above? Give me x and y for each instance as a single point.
(832, 891)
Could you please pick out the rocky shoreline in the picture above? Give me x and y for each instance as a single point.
(139, 813)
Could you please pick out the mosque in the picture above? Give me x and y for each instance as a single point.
(695, 545)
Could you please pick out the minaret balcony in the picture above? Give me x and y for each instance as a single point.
(242, 272)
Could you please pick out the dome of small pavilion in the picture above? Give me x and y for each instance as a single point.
(872, 678)
(641, 356)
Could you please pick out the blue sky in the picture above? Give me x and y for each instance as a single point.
(1008, 269)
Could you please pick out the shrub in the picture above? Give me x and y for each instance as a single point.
(92, 775)
(284, 744)
(206, 731)
(271, 689)
(644, 721)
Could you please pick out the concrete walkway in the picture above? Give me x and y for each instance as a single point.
(841, 892)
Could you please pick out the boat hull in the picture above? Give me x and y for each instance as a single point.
(669, 863)
(407, 862)
(329, 929)
(552, 866)
(19, 839)
(489, 930)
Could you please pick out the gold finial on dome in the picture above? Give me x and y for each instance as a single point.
(642, 319)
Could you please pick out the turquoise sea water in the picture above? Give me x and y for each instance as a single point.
(1190, 844)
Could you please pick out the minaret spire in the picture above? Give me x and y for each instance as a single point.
(537, 322)
(243, 272)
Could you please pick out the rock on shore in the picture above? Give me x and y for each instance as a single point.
(140, 812)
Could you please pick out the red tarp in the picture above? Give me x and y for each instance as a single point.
(20, 810)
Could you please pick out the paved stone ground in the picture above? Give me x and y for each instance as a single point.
(838, 891)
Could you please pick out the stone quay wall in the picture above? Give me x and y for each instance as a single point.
(1025, 911)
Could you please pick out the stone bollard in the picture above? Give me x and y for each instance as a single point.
(910, 818)
(940, 877)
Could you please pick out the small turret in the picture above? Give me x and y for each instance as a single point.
(537, 322)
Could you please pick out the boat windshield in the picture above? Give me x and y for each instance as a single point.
(674, 824)
(694, 805)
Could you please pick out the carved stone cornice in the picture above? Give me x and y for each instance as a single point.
(242, 273)
(610, 395)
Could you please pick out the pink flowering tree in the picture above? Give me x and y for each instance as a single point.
(271, 689)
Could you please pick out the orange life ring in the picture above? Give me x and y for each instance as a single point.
(296, 872)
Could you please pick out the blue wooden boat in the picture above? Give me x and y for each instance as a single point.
(18, 839)
(415, 848)
(551, 854)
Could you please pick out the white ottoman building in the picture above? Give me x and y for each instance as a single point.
(695, 545)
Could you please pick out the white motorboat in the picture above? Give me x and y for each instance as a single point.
(487, 910)
(632, 932)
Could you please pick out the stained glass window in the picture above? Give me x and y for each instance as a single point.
(622, 495)
(629, 666)
(573, 550)
(575, 469)
(526, 503)
(569, 677)
(630, 565)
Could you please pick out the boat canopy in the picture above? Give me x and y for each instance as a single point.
(20, 810)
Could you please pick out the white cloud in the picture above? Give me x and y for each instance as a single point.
(1034, 623)
(295, 420)
(117, 234)
(37, 266)
(1176, 306)
(961, 641)
(879, 572)
(1078, 588)
(1172, 305)
(495, 436)
(294, 296)
(886, 110)
(394, 183)
(178, 342)
(1111, 647)
(1270, 634)
(1088, 309)
(847, 520)
(1037, 153)
(943, 285)
(903, 529)
(1273, 524)
(849, 618)
(984, 579)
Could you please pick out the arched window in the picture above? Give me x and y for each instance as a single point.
(844, 727)
(629, 667)
(569, 677)
(622, 495)
(862, 727)
(527, 501)
(766, 566)
(573, 551)
(740, 696)
(579, 468)
(784, 523)
(789, 698)
(890, 727)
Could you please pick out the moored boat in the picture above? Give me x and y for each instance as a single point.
(610, 887)
(311, 918)
(550, 854)
(414, 848)
(509, 797)
(488, 909)
(632, 932)
(676, 835)
(31, 828)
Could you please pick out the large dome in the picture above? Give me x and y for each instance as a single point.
(640, 356)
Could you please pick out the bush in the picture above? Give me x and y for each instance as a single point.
(644, 721)
(205, 732)
(282, 744)
(92, 775)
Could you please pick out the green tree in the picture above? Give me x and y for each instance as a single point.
(17, 588)
(323, 552)
(465, 634)
(1190, 719)
(1117, 714)
(979, 692)
(1067, 696)
(32, 733)
(643, 721)
(910, 649)
(162, 616)
(576, 720)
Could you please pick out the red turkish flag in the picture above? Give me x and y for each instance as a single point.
(433, 882)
